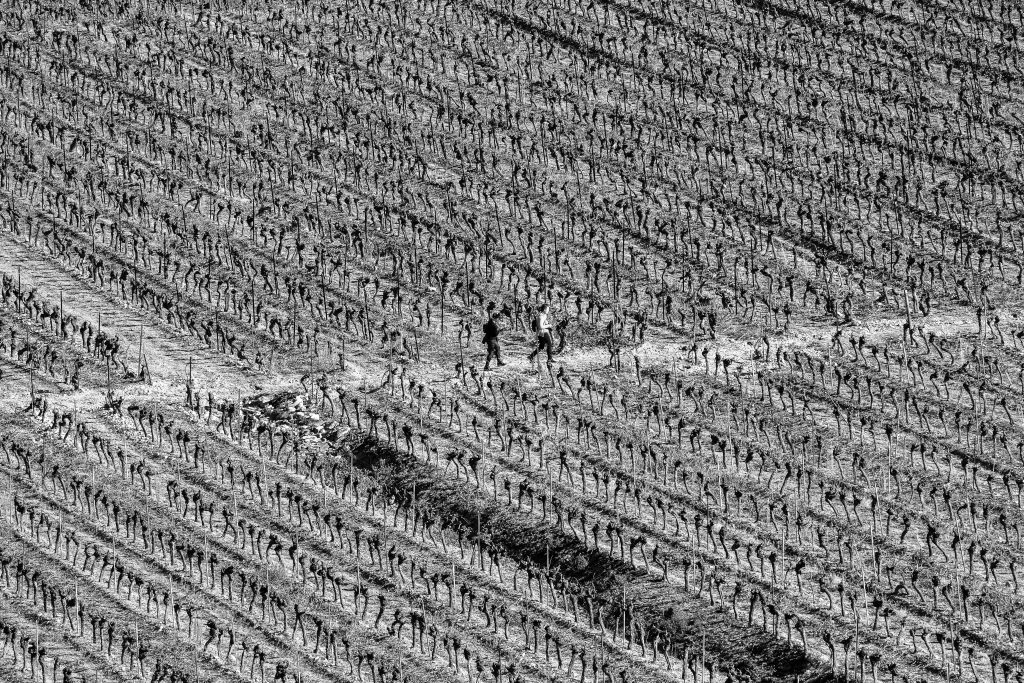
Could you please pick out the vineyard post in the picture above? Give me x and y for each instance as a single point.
(323, 284)
(623, 617)
(141, 328)
(19, 290)
(946, 661)
(231, 137)
(462, 358)
(366, 312)
(856, 638)
(703, 647)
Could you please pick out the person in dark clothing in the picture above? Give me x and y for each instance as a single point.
(491, 331)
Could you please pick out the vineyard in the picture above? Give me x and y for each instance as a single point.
(511, 341)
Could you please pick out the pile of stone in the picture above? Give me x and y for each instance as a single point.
(289, 409)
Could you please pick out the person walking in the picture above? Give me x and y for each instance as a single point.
(542, 326)
(491, 332)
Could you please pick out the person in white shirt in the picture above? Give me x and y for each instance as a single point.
(542, 326)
